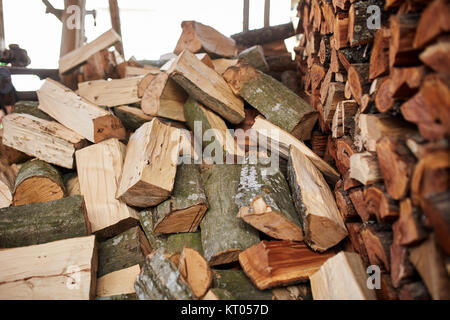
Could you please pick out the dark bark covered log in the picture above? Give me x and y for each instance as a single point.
(264, 201)
(265, 35)
(358, 32)
(38, 181)
(132, 118)
(355, 55)
(176, 242)
(185, 208)
(380, 204)
(57, 220)
(377, 240)
(124, 250)
(161, 280)
(239, 286)
(221, 183)
(218, 294)
(379, 58)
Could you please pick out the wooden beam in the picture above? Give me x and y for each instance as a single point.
(2, 28)
(266, 13)
(246, 14)
(115, 22)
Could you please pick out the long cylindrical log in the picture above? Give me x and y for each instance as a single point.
(265, 35)
(43, 222)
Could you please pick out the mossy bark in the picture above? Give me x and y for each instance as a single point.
(183, 211)
(130, 120)
(161, 280)
(130, 296)
(31, 108)
(146, 220)
(264, 201)
(125, 250)
(43, 222)
(240, 287)
(254, 56)
(176, 242)
(224, 235)
(219, 294)
(39, 168)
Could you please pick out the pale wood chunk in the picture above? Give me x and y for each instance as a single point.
(364, 168)
(60, 270)
(118, 282)
(195, 269)
(342, 277)
(99, 168)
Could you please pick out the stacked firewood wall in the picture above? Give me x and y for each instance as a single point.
(383, 95)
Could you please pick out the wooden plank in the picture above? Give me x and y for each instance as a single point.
(79, 56)
(60, 270)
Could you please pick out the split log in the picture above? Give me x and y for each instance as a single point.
(437, 56)
(358, 16)
(428, 259)
(221, 183)
(99, 167)
(124, 250)
(222, 145)
(72, 184)
(357, 198)
(164, 98)
(177, 242)
(401, 50)
(342, 277)
(203, 57)
(364, 168)
(414, 291)
(79, 56)
(146, 221)
(31, 108)
(308, 185)
(348, 212)
(396, 165)
(197, 37)
(402, 270)
(160, 280)
(344, 151)
(111, 93)
(380, 204)
(278, 104)
(8, 154)
(377, 240)
(221, 65)
(254, 56)
(37, 181)
(341, 4)
(379, 58)
(194, 268)
(57, 220)
(384, 100)
(7, 179)
(407, 229)
(317, 74)
(343, 118)
(262, 263)
(405, 82)
(354, 234)
(184, 210)
(132, 118)
(206, 86)
(373, 127)
(283, 141)
(324, 87)
(325, 51)
(76, 113)
(50, 271)
(239, 285)
(341, 23)
(436, 208)
(264, 35)
(334, 96)
(118, 283)
(433, 22)
(358, 78)
(264, 201)
(218, 294)
(48, 141)
(148, 177)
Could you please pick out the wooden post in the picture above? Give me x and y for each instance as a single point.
(2, 28)
(246, 14)
(115, 22)
(267, 13)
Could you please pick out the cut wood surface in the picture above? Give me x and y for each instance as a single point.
(342, 277)
(315, 202)
(99, 168)
(222, 65)
(8, 154)
(432, 23)
(76, 113)
(7, 179)
(57, 220)
(122, 251)
(206, 86)
(223, 145)
(221, 183)
(185, 208)
(277, 103)
(161, 280)
(60, 270)
(262, 263)
(265, 202)
(197, 37)
(150, 166)
(118, 282)
(37, 181)
(283, 140)
(111, 93)
(45, 140)
(203, 57)
(435, 208)
(364, 168)
(195, 269)
(164, 98)
(79, 56)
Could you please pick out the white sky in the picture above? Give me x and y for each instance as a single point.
(149, 28)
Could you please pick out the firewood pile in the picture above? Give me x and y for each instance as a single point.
(211, 173)
(383, 99)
